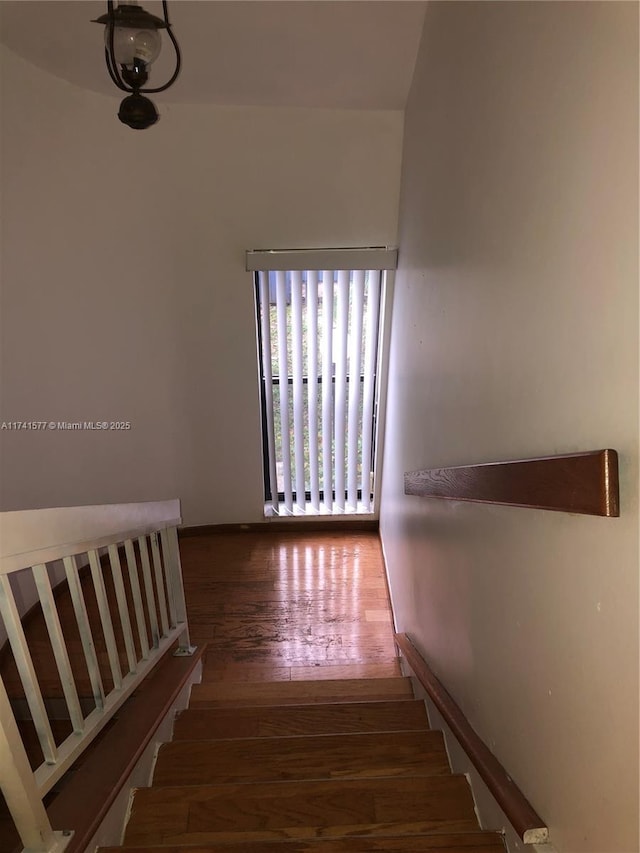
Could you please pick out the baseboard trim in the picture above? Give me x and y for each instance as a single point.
(529, 826)
(287, 526)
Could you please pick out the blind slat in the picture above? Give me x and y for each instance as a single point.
(312, 386)
(355, 365)
(298, 387)
(370, 356)
(265, 328)
(283, 373)
(327, 388)
(342, 331)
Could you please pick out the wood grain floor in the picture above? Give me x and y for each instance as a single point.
(269, 606)
(285, 606)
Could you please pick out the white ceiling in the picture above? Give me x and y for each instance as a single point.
(297, 53)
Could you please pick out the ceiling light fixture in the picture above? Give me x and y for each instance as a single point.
(132, 42)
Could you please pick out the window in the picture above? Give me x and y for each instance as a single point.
(318, 344)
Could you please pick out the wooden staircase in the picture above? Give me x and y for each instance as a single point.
(266, 759)
(329, 766)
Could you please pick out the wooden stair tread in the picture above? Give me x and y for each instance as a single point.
(220, 694)
(274, 721)
(317, 757)
(466, 842)
(262, 811)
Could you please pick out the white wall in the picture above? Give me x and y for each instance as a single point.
(515, 334)
(124, 291)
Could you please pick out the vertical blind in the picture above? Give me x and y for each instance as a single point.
(318, 333)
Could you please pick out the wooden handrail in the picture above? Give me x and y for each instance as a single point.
(585, 483)
(520, 813)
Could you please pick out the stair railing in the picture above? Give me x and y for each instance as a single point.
(91, 544)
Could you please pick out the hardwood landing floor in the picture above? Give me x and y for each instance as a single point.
(280, 606)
